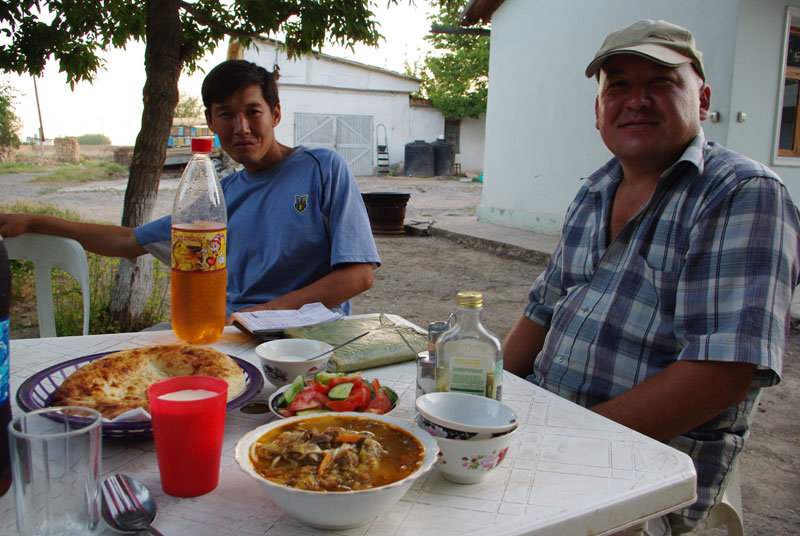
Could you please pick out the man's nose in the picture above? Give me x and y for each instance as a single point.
(241, 125)
(639, 97)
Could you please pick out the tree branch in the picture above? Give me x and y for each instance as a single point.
(460, 31)
(214, 25)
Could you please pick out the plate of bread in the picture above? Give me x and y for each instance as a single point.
(115, 383)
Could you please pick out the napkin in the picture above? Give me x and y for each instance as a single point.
(383, 345)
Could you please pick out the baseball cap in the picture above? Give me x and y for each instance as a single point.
(657, 40)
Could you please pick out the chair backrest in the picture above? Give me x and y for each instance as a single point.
(47, 252)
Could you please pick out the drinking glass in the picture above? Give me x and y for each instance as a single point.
(55, 464)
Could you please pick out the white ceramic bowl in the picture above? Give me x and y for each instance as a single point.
(469, 462)
(467, 413)
(282, 360)
(437, 430)
(340, 509)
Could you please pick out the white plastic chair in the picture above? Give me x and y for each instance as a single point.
(47, 252)
(728, 511)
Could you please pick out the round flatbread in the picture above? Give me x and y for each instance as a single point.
(118, 382)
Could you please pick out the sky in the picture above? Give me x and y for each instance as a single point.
(112, 104)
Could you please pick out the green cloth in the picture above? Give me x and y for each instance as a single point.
(383, 345)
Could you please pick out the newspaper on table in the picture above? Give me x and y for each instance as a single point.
(260, 322)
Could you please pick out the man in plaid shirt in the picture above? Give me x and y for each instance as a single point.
(665, 306)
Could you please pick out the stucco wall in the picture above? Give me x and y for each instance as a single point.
(540, 135)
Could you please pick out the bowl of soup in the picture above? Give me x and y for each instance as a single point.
(283, 360)
(336, 470)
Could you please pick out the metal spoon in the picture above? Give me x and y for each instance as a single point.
(337, 347)
(127, 505)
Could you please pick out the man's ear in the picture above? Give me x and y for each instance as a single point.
(276, 115)
(705, 102)
(596, 114)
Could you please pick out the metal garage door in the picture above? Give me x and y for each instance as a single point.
(350, 135)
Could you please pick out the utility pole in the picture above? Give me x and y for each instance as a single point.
(41, 128)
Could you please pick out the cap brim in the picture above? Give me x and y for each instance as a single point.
(656, 53)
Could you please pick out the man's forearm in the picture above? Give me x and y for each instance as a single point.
(681, 397)
(331, 290)
(522, 345)
(108, 240)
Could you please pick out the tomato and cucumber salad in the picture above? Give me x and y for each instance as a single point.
(334, 392)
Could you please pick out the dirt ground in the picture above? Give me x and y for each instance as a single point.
(420, 277)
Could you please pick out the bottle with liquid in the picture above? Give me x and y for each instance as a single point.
(5, 398)
(199, 236)
(469, 359)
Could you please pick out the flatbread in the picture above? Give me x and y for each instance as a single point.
(118, 382)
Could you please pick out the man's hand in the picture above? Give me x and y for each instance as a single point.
(14, 224)
(681, 397)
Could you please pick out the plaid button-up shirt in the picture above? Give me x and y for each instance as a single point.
(703, 272)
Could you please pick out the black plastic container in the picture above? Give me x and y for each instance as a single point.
(419, 159)
(444, 158)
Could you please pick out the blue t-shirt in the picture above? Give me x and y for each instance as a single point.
(288, 226)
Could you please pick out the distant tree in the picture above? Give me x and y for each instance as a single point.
(10, 124)
(455, 78)
(177, 34)
(188, 106)
(94, 139)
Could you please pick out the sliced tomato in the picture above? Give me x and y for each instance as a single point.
(286, 413)
(308, 398)
(341, 405)
(350, 378)
(380, 404)
(360, 395)
(376, 385)
(321, 387)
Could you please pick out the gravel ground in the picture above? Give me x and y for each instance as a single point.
(419, 279)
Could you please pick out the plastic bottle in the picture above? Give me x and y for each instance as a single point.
(199, 236)
(5, 399)
(469, 359)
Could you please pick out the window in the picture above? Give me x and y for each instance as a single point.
(789, 131)
(452, 132)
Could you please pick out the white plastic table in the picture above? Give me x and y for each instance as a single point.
(569, 471)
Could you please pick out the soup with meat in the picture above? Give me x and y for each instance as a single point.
(336, 453)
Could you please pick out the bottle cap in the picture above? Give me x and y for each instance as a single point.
(201, 145)
(470, 300)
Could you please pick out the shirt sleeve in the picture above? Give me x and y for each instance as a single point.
(348, 223)
(735, 289)
(155, 238)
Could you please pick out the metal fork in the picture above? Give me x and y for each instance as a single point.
(127, 505)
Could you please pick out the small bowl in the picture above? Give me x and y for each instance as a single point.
(467, 413)
(340, 509)
(469, 462)
(437, 430)
(282, 360)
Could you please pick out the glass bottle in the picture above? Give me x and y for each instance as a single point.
(5, 398)
(199, 261)
(469, 359)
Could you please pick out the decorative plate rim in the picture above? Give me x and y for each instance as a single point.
(27, 402)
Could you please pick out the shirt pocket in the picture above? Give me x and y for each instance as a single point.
(659, 290)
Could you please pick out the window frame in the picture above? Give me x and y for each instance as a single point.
(782, 156)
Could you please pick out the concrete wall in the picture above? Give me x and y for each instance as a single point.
(540, 134)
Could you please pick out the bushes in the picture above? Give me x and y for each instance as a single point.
(94, 139)
(67, 298)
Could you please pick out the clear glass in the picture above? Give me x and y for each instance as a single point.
(55, 462)
(469, 359)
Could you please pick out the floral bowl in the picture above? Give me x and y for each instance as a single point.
(469, 462)
(437, 430)
(463, 412)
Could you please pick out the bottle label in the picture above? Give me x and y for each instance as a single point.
(467, 375)
(198, 251)
(4, 363)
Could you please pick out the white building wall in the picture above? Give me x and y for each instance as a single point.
(540, 133)
(473, 134)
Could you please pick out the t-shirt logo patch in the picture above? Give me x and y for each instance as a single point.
(300, 202)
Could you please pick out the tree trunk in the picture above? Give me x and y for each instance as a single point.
(163, 63)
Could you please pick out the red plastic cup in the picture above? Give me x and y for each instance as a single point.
(188, 434)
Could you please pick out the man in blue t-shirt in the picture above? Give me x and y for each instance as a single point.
(298, 231)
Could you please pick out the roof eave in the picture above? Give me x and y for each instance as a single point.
(479, 11)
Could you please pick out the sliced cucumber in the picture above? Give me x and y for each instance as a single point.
(371, 390)
(325, 377)
(296, 386)
(312, 411)
(390, 393)
(340, 392)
